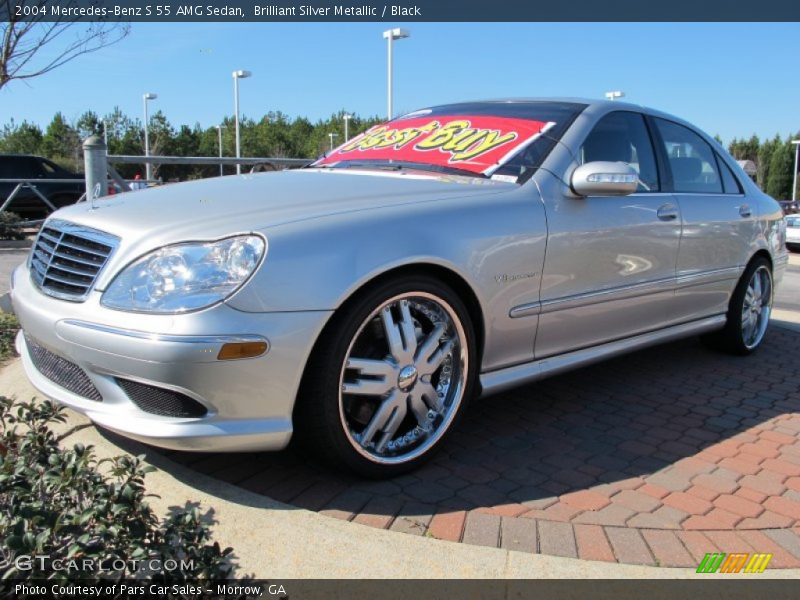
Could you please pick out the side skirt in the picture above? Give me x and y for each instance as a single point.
(494, 382)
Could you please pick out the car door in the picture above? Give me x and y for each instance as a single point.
(719, 225)
(609, 268)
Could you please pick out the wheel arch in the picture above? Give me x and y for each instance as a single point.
(451, 278)
(763, 253)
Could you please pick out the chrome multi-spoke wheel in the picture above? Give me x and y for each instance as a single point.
(389, 377)
(748, 312)
(403, 377)
(756, 307)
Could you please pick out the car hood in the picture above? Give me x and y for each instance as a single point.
(220, 206)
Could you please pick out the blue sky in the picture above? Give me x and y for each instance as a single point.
(730, 79)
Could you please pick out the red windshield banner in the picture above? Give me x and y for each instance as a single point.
(473, 143)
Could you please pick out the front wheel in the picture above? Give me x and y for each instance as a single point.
(389, 378)
(749, 311)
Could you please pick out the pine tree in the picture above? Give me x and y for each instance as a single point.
(779, 181)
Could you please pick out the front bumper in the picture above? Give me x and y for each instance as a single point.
(249, 402)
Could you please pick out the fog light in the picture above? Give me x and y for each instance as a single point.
(236, 350)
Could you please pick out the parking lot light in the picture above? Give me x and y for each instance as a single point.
(237, 75)
(794, 179)
(346, 118)
(219, 140)
(615, 95)
(148, 168)
(390, 35)
(331, 136)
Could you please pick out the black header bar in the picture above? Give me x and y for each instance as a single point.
(398, 10)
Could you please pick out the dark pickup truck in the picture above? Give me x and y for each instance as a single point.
(37, 171)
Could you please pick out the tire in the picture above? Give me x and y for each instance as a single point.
(748, 312)
(389, 378)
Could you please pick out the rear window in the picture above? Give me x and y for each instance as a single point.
(503, 140)
(793, 222)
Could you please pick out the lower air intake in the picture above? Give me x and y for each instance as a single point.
(61, 371)
(160, 401)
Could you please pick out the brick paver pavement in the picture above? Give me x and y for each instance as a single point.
(651, 458)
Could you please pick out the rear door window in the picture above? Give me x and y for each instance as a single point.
(691, 159)
(730, 184)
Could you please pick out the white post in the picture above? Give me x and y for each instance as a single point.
(219, 139)
(389, 39)
(96, 168)
(236, 121)
(794, 179)
(148, 168)
(346, 118)
(391, 35)
(237, 75)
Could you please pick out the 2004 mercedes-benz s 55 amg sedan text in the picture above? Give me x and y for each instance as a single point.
(362, 301)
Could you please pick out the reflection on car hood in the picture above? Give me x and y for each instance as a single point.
(223, 205)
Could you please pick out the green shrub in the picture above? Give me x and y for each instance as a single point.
(9, 326)
(56, 501)
(10, 228)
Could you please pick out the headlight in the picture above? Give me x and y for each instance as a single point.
(185, 277)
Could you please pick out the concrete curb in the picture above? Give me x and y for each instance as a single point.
(275, 540)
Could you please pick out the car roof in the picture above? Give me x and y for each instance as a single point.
(585, 103)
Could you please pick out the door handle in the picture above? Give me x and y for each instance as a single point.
(744, 211)
(667, 212)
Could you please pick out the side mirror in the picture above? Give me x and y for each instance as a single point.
(603, 178)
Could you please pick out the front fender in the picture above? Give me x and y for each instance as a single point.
(495, 245)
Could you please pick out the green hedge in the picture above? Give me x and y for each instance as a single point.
(65, 503)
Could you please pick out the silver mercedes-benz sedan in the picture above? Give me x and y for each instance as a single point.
(453, 252)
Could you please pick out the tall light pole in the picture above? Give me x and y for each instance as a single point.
(219, 139)
(390, 35)
(237, 75)
(331, 136)
(148, 168)
(794, 180)
(615, 95)
(346, 118)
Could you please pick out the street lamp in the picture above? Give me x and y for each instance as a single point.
(237, 75)
(148, 168)
(615, 95)
(332, 135)
(219, 139)
(390, 35)
(794, 181)
(346, 118)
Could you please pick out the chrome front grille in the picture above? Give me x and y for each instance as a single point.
(67, 258)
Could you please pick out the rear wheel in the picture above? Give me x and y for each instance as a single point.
(389, 378)
(749, 311)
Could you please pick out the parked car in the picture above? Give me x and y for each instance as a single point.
(790, 207)
(360, 303)
(793, 233)
(37, 170)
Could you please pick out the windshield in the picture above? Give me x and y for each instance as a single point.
(501, 140)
